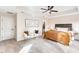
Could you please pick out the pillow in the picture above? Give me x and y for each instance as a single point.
(70, 33)
(62, 29)
(25, 35)
(31, 33)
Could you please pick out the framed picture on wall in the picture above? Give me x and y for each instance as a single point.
(31, 23)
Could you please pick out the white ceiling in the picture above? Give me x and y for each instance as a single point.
(33, 10)
(7, 8)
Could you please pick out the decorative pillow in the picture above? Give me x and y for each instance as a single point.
(31, 32)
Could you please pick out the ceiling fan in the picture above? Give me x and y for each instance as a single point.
(49, 9)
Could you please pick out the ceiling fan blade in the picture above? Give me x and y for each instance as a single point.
(53, 10)
(43, 9)
(50, 7)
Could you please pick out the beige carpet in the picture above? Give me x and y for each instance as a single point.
(39, 45)
(11, 46)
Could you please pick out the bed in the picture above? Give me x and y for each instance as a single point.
(58, 36)
(47, 46)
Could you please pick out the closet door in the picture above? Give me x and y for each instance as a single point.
(7, 27)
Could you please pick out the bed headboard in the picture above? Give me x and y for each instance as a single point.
(69, 26)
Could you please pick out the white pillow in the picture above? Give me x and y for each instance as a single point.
(62, 29)
(25, 35)
(31, 33)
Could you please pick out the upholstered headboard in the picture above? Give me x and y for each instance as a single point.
(69, 26)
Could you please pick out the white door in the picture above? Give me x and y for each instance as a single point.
(8, 27)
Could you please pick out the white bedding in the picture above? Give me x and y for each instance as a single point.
(46, 46)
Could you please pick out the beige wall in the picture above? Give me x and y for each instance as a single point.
(73, 19)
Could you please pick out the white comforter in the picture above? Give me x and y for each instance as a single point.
(46, 46)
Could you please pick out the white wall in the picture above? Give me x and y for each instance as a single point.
(20, 26)
(34, 13)
(27, 13)
(73, 19)
(35, 26)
